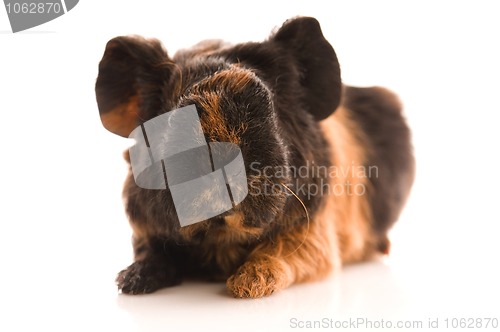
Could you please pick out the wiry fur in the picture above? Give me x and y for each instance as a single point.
(279, 101)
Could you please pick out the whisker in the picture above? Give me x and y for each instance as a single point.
(307, 216)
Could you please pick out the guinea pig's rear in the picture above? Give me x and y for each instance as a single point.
(328, 167)
(387, 141)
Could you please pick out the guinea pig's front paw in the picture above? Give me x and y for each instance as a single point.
(258, 278)
(146, 276)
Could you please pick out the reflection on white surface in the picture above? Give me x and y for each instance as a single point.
(64, 235)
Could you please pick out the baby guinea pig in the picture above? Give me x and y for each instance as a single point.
(328, 167)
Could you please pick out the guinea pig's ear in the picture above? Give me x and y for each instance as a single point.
(132, 84)
(320, 71)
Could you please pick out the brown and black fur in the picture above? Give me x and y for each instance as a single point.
(283, 103)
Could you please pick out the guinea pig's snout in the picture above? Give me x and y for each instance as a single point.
(240, 125)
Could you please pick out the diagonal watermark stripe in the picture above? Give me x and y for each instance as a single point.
(205, 180)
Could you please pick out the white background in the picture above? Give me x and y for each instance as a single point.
(63, 232)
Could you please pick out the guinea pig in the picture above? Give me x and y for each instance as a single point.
(328, 167)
